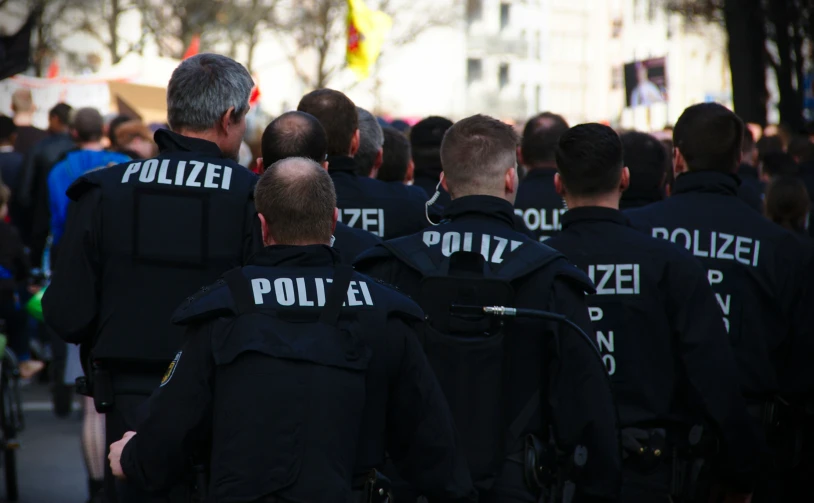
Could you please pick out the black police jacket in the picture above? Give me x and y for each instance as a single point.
(351, 242)
(751, 188)
(760, 274)
(142, 235)
(298, 402)
(659, 330)
(387, 210)
(538, 204)
(585, 412)
(633, 198)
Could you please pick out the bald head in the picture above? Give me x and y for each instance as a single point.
(296, 200)
(88, 125)
(540, 138)
(294, 134)
(22, 102)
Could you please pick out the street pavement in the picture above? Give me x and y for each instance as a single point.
(50, 468)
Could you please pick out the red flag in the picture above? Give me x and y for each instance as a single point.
(194, 47)
(53, 69)
(254, 98)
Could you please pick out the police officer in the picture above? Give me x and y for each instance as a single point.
(298, 394)
(298, 134)
(425, 143)
(646, 159)
(508, 387)
(759, 271)
(538, 204)
(387, 210)
(657, 327)
(751, 188)
(142, 235)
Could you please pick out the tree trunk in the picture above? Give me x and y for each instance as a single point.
(746, 29)
(781, 15)
(113, 29)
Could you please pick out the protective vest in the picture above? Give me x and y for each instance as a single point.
(167, 226)
(289, 385)
(476, 263)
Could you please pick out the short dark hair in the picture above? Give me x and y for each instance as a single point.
(540, 138)
(88, 124)
(709, 137)
(800, 147)
(7, 127)
(780, 164)
(113, 126)
(769, 145)
(62, 111)
(297, 199)
(475, 154)
(748, 142)
(787, 202)
(590, 159)
(294, 134)
(646, 158)
(396, 156)
(338, 116)
(425, 142)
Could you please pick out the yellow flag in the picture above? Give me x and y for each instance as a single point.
(366, 32)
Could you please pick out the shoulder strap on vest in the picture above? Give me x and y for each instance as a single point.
(241, 290)
(526, 260)
(336, 295)
(414, 253)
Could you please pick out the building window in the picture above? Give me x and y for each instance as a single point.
(538, 46)
(474, 70)
(617, 78)
(474, 10)
(503, 76)
(504, 15)
(651, 10)
(616, 28)
(538, 98)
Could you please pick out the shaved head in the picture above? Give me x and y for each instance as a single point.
(22, 102)
(297, 200)
(476, 154)
(294, 134)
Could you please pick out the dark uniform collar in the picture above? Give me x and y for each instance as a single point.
(481, 206)
(297, 256)
(636, 198)
(593, 214)
(747, 170)
(540, 173)
(169, 141)
(342, 163)
(714, 182)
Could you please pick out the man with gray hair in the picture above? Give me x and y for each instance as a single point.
(371, 141)
(143, 235)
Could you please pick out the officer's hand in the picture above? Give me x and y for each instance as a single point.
(115, 455)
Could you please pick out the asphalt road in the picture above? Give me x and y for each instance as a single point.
(50, 466)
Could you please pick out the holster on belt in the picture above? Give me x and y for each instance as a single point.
(378, 488)
(101, 388)
(644, 450)
(550, 474)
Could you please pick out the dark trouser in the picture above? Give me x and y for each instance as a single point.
(651, 487)
(125, 416)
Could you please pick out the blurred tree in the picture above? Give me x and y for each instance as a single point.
(100, 19)
(762, 34)
(313, 33)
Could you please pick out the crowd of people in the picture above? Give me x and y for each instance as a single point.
(460, 311)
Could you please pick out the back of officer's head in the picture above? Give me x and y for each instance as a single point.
(8, 130)
(88, 125)
(590, 163)
(396, 160)
(479, 157)
(749, 152)
(708, 137)
(371, 140)
(787, 203)
(337, 114)
(646, 158)
(296, 203)
(425, 142)
(540, 138)
(209, 93)
(294, 134)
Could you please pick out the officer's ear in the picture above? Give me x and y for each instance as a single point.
(354, 143)
(679, 164)
(226, 120)
(511, 180)
(443, 181)
(409, 176)
(624, 181)
(264, 229)
(325, 165)
(377, 163)
(558, 185)
(335, 219)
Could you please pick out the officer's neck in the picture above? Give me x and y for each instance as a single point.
(543, 166)
(610, 200)
(210, 135)
(23, 119)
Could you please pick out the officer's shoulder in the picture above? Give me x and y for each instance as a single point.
(396, 301)
(571, 275)
(209, 302)
(377, 253)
